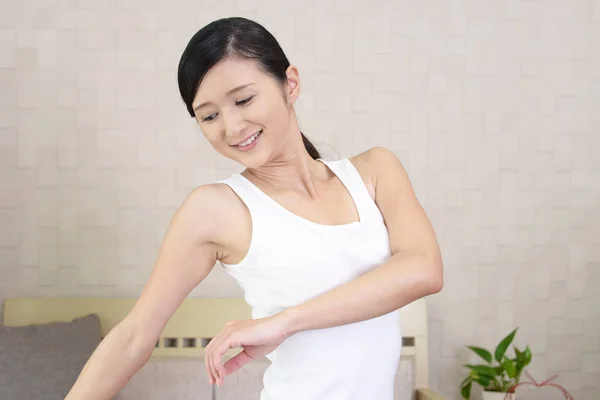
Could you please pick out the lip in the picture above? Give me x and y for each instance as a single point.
(242, 141)
(251, 146)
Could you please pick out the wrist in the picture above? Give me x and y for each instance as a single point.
(291, 318)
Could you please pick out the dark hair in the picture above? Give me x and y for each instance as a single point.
(233, 37)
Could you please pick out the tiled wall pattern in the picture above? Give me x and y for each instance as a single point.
(492, 106)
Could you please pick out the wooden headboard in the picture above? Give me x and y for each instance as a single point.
(195, 322)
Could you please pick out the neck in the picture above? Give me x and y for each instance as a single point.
(293, 169)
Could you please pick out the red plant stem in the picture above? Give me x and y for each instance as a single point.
(547, 382)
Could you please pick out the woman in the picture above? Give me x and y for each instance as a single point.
(326, 251)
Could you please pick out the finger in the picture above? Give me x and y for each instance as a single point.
(233, 342)
(206, 364)
(208, 359)
(218, 359)
(215, 343)
(211, 366)
(219, 346)
(236, 362)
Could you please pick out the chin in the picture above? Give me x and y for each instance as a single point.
(252, 161)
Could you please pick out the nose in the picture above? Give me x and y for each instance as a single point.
(234, 126)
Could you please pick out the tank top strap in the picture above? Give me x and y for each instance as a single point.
(263, 208)
(352, 180)
(258, 208)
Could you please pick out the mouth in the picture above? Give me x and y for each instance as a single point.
(249, 141)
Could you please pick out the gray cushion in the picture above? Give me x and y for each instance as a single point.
(43, 361)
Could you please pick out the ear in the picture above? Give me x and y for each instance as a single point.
(292, 86)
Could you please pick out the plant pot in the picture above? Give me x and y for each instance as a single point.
(498, 396)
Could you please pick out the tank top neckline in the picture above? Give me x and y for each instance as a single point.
(345, 182)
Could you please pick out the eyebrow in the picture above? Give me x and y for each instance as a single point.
(236, 89)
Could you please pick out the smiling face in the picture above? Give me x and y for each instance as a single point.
(236, 101)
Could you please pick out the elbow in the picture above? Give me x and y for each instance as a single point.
(138, 344)
(436, 285)
(435, 276)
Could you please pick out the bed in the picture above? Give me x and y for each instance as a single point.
(50, 339)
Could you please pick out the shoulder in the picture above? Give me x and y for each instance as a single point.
(214, 208)
(376, 159)
(379, 164)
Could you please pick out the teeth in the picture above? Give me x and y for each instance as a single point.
(249, 141)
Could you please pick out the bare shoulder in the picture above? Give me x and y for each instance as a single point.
(215, 208)
(376, 163)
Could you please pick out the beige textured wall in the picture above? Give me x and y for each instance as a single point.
(492, 106)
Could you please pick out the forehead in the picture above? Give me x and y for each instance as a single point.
(226, 75)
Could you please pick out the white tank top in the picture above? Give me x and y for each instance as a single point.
(291, 260)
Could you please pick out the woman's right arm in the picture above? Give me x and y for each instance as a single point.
(186, 256)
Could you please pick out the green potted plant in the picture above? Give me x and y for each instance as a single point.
(499, 375)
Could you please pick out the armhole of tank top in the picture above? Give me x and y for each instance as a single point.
(369, 203)
(253, 228)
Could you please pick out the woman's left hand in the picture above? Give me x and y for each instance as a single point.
(257, 337)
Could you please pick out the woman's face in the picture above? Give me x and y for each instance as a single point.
(236, 101)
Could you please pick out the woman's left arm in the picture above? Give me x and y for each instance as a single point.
(413, 271)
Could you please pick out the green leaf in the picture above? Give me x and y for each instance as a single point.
(483, 380)
(518, 369)
(493, 386)
(518, 352)
(481, 369)
(527, 355)
(465, 391)
(483, 353)
(465, 381)
(519, 361)
(501, 349)
(511, 369)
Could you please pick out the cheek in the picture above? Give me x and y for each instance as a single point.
(275, 115)
(210, 135)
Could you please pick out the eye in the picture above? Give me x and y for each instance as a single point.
(209, 118)
(237, 103)
(243, 102)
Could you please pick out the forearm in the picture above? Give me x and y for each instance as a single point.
(402, 279)
(109, 368)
